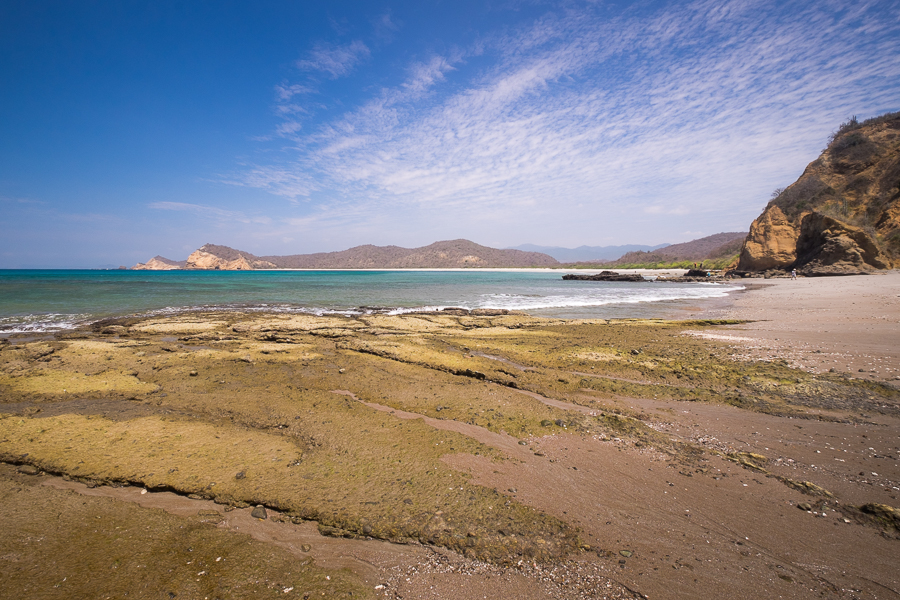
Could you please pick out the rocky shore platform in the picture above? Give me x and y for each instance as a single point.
(440, 455)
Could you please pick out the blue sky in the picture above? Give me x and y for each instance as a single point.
(132, 129)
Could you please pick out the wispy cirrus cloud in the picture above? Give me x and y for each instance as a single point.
(386, 27)
(285, 92)
(693, 113)
(210, 212)
(336, 60)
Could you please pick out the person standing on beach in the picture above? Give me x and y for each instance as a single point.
(793, 273)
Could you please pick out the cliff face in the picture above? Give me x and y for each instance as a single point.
(842, 215)
(771, 243)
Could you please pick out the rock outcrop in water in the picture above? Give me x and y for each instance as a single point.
(842, 216)
(606, 276)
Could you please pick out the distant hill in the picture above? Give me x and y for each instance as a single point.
(712, 247)
(587, 253)
(842, 215)
(447, 254)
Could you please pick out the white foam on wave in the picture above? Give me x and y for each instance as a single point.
(604, 297)
(261, 307)
(41, 323)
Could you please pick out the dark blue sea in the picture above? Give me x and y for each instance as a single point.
(49, 300)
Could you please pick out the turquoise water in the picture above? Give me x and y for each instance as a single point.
(46, 300)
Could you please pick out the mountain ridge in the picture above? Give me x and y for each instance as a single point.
(717, 246)
(458, 253)
(444, 254)
(587, 253)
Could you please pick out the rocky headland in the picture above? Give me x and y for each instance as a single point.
(842, 216)
(213, 257)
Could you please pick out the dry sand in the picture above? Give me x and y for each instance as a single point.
(849, 324)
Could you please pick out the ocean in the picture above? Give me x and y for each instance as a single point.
(52, 300)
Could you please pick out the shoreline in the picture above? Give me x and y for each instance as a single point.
(340, 293)
(662, 312)
(776, 330)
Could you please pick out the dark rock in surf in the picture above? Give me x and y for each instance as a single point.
(606, 276)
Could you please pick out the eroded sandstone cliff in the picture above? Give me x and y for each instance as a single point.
(842, 215)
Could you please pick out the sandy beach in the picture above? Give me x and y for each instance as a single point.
(849, 324)
(463, 456)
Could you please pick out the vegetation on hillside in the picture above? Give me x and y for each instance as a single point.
(717, 251)
(712, 264)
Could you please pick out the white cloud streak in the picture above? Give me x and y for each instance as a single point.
(211, 212)
(693, 113)
(337, 61)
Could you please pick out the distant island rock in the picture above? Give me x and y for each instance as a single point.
(159, 263)
(446, 254)
(842, 216)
